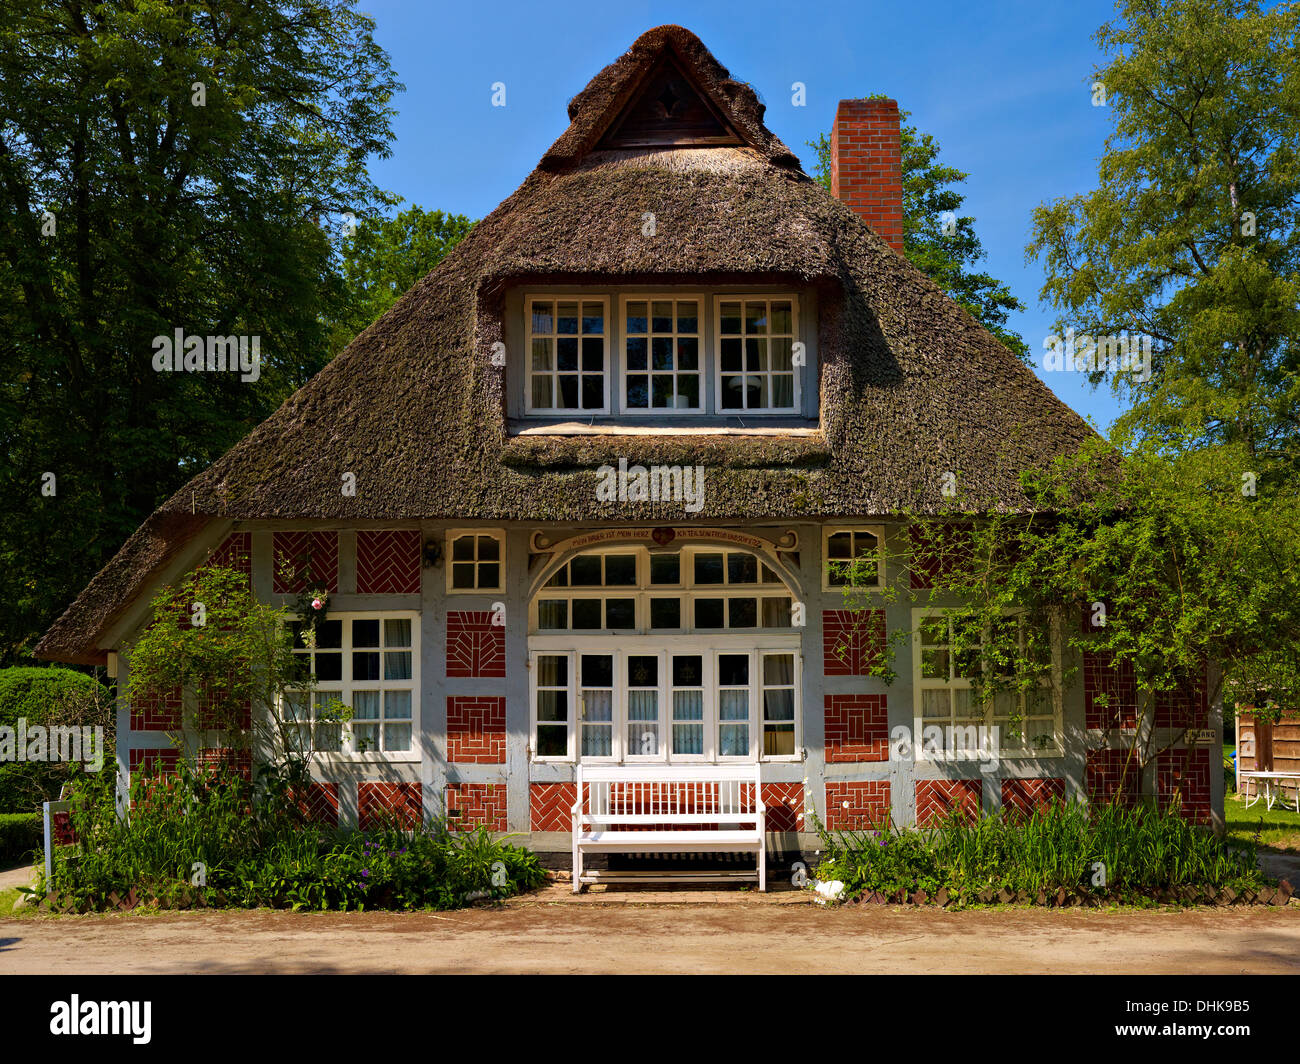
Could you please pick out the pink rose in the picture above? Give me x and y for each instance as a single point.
(316, 603)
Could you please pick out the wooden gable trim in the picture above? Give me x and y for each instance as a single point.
(616, 136)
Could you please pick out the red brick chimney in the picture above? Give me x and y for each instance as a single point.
(867, 166)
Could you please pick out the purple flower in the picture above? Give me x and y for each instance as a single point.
(365, 871)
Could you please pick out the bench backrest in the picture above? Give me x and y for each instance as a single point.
(668, 794)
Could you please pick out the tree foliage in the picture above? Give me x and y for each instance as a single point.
(384, 258)
(164, 165)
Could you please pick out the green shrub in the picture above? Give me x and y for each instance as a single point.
(255, 850)
(47, 697)
(21, 834)
(1138, 851)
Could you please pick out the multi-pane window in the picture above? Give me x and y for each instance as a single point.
(948, 663)
(662, 367)
(728, 703)
(476, 561)
(852, 557)
(661, 355)
(366, 662)
(567, 355)
(649, 687)
(697, 589)
(756, 369)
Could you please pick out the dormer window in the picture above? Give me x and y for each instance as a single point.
(632, 354)
(567, 356)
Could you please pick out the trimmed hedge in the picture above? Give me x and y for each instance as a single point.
(33, 693)
(20, 834)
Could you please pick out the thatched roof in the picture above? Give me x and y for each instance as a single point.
(911, 386)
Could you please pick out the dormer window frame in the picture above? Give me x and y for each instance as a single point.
(530, 372)
(616, 415)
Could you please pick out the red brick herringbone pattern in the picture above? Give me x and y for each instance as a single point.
(320, 803)
(378, 803)
(852, 640)
(217, 708)
(475, 646)
(936, 798)
(235, 552)
(550, 806)
(472, 804)
(784, 802)
(153, 762)
(1112, 774)
(160, 713)
(223, 758)
(1181, 708)
(867, 804)
(476, 730)
(314, 554)
(1023, 796)
(1117, 683)
(1185, 774)
(857, 728)
(388, 563)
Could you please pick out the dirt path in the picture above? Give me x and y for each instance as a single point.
(756, 938)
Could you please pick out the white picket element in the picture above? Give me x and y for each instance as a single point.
(693, 809)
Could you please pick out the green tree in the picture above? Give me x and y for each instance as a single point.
(1191, 235)
(163, 166)
(938, 241)
(384, 258)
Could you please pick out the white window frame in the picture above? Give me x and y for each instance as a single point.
(607, 373)
(796, 407)
(876, 530)
(346, 687)
(921, 684)
(701, 334)
(454, 534)
(752, 645)
(686, 591)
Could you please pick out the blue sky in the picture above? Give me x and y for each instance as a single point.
(1004, 87)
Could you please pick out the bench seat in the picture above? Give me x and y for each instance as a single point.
(669, 809)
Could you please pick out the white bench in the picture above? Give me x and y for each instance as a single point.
(668, 809)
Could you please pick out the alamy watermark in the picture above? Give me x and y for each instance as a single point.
(684, 484)
(210, 354)
(960, 742)
(1090, 354)
(56, 742)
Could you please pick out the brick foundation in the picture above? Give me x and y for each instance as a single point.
(380, 802)
(550, 806)
(935, 799)
(472, 804)
(868, 804)
(1022, 797)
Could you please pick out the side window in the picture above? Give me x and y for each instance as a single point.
(852, 557)
(477, 560)
(566, 350)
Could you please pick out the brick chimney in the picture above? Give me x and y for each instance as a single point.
(867, 167)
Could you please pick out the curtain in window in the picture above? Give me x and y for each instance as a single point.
(733, 723)
(643, 723)
(597, 723)
(688, 738)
